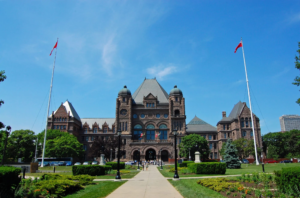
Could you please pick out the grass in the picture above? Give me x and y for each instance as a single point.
(123, 175)
(189, 188)
(246, 169)
(100, 189)
(57, 168)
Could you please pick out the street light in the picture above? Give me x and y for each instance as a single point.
(36, 143)
(110, 154)
(176, 177)
(139, 160)
(160, 160)
(8, 129)
(262, 159)
(190, 154)
(118, 177)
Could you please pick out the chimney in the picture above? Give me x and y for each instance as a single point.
(224, 114)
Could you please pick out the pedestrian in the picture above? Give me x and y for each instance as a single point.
(147, 167)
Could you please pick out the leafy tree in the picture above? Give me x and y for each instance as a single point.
(21, 144)
(245, 148)
(190, 142)
(222, 151)
(2, 78)
(279, 144)
(293, 143)
(272, 152)
(230, 158)
(297, 65)
(103, 146)
(64, 146)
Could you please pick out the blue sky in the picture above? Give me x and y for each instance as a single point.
(104, 45)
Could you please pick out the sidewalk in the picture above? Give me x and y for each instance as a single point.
(146, 184)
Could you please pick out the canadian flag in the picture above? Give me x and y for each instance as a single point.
(141, 135)
(239, 45)
(55, 46)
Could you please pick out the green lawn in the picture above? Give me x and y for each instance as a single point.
(189, 188)
(100, 189)
(246, 169)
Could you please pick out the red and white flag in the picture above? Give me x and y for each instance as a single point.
(141, 135)
(55, 46)
(239, 45)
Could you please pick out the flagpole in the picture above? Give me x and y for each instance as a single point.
(42, 164)
(252, 123)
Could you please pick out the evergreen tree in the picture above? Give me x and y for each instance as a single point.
(230, 157)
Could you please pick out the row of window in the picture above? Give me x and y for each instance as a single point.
(211, 145)
(215, 155)
(244, 133)
(149, 105)
(246, 122)
(177, 125)
(95, 130)
(157, 115)
(123, 126)
(150, 126)
(210, 137)
(60, 119)
(92, 138)
(62, 127)
(226, 126)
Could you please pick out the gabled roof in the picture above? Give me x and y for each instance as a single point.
(237, 109)
(153, 87)
(69, 108)
(198, 125)
(99, 121)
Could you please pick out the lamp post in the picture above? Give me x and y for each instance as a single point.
(190, 154)
(139, 160)
(118, 177)
(110, 155)
(176, 177)
(160, 160)
(262, 160)
(36, 143)
(8, 129)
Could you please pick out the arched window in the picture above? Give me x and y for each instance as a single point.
(138, 126)
(150, 126)
(163, 126)
(177, 113)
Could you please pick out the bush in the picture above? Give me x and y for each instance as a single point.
(288, 180)
(107, 168)
(114, 165)
(9, 180)
(218, 184)
(83, 179)
(208, 168)
(185, 163)
(89, 170)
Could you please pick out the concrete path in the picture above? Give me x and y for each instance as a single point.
(146, 184)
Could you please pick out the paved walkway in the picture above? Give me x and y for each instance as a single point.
(146, 184)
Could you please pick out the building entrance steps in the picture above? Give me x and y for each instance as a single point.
(146, 184)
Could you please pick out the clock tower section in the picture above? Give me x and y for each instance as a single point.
(124, 111)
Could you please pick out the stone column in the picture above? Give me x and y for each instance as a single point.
(197, 157)
(102, 161)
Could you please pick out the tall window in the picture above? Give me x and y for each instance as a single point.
(85, 130)
(95, 130)
(204, 136)
(224, 126)
(215, 145)
(242, 123)
(152, 104)
(65, 127)
(176, 99)
(216, 155)
(211, 155)
(244, 133)
(105, 130)
(92, 138)
(84, 147)
(124, 141)
(209, 137)
(214, 137)
(210, 146)
(87, 138)
(124, 99)
(137, 130)
(227, 126)
(125, 126)
(150, 134)
(163, 132)
(228, 135)
(251, 133)
(225, 135)
(247, 123)
(250, 123)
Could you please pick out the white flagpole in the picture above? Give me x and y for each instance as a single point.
(42, 164)
(252, 123)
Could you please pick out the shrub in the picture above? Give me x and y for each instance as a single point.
(208, 168)
(218, 184)
(114, 165)
(89, 170)
(173, 169)
(185, 163)
(288, 180)
(9, 180)
(107, 168)
(83, 179)
(124, 171)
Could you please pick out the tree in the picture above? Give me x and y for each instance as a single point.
(103, 146)
(241, 146)
(272, 152)
(222, 151)
(297, 65)
(279, 144)
(230, 158)
(21, 144)
(190, 142)
(2, 78)
(64, 146)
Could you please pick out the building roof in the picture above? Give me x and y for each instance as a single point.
(176, 91)
(237, 109)
(153, 87)
(124, 91)
(99, 121)
(198, 125)
(69, 108)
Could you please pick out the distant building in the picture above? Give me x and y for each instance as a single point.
(289, 122)
(151, 111)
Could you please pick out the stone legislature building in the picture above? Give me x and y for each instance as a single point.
(154, 113)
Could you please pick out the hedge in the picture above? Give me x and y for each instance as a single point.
(208, 168)
(90, 170)
(114, 165)
(288, 180)
(9, 180)
(185, 163)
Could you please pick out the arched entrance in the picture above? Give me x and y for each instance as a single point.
(164, 156)
(136, 155)
(150, 154)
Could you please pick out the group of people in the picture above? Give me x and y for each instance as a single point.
(145, 164)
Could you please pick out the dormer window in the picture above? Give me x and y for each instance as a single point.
(124, 99)
(85, 130)
(95, 130)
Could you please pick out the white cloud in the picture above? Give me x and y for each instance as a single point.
(108, 52)
(161, 71)
(294, 18)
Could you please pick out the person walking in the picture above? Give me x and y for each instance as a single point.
(146, 167)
